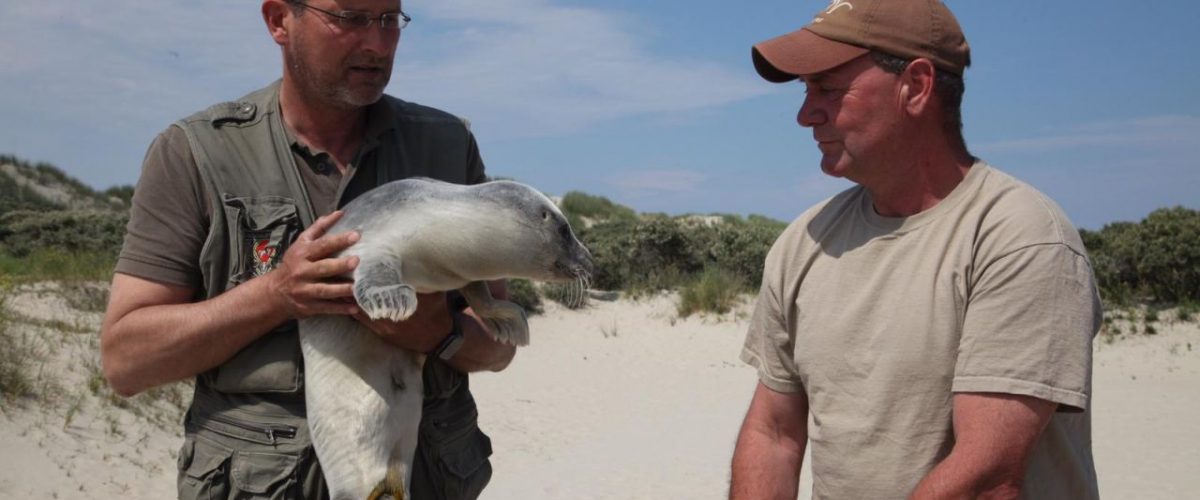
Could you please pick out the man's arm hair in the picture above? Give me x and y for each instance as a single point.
(770, 446)
(154, 333)
(994, 435)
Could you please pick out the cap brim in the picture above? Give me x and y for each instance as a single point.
(801, 52)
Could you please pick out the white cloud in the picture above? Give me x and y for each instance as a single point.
(96, 64)
(514, 67)
(531, 68)
(1153, 131)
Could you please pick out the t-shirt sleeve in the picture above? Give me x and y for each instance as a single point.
(770, 346)
(168, 221)
(1029, 326)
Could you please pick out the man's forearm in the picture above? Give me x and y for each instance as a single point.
(770, 446)
(764, 468)
(480, 351)
(158, 344)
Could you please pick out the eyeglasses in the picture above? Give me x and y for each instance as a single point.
(358, 19)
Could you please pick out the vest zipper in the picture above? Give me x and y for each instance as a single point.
(272, 431)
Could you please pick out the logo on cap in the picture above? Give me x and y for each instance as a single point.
(834, 5)
(837, 4)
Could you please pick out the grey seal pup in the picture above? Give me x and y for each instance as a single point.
(363, 395)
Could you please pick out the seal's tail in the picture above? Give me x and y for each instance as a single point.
(391, 487)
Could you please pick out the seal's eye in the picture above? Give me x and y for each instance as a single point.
(545, 215)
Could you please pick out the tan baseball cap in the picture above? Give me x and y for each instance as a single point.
(847, 29)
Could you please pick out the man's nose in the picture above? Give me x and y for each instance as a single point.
(810, 115)
(379, 41)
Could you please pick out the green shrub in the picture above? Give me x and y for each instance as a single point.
(14, 196)
(646, 254)
(523, 293)
(124, 193)
(741, 248)
(24, 232)
(715, 290)
(1156, 260)
(656, 252)
(1113, 253)
(1168, 263)
(593, 207)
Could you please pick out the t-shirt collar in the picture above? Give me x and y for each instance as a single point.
(379, 122)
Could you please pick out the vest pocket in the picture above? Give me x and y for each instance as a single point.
(467, 467)
(455, 452)
(264, 475)
(260, 230)
(269, 364)
(225, 456)
(203, 469)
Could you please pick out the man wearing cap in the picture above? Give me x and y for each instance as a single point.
(935, 321)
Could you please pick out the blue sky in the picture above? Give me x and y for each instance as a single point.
(653, 104)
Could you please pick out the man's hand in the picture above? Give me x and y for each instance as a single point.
(426, 328)
(301, 283)
(422, 331)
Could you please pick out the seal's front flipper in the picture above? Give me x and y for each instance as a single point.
(505, 320)
(381, 293)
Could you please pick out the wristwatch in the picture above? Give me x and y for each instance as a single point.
(450, 345)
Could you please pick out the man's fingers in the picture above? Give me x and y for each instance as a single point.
(325, 298)
(316, 292)
(320, 226)
(330, 244)
(327, 268)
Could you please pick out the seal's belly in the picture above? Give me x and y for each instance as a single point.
(363, 400)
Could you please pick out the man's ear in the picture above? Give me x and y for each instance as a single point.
(277, 14)
(916, 86)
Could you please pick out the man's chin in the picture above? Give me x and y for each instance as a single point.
(357, 98)
(830, 167)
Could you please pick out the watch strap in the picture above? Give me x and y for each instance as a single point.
(450, 345)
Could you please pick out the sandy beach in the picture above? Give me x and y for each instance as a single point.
(620, 400)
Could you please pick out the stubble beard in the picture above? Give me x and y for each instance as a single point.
(331, 85)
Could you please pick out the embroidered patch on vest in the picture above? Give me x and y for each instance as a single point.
(266, 248)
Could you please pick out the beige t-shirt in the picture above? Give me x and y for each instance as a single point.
(880, 320)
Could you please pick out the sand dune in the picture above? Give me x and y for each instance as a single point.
(621, 400)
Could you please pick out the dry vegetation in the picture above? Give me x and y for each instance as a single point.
(52, 391)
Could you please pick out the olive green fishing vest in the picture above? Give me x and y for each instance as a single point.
(259, 205)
